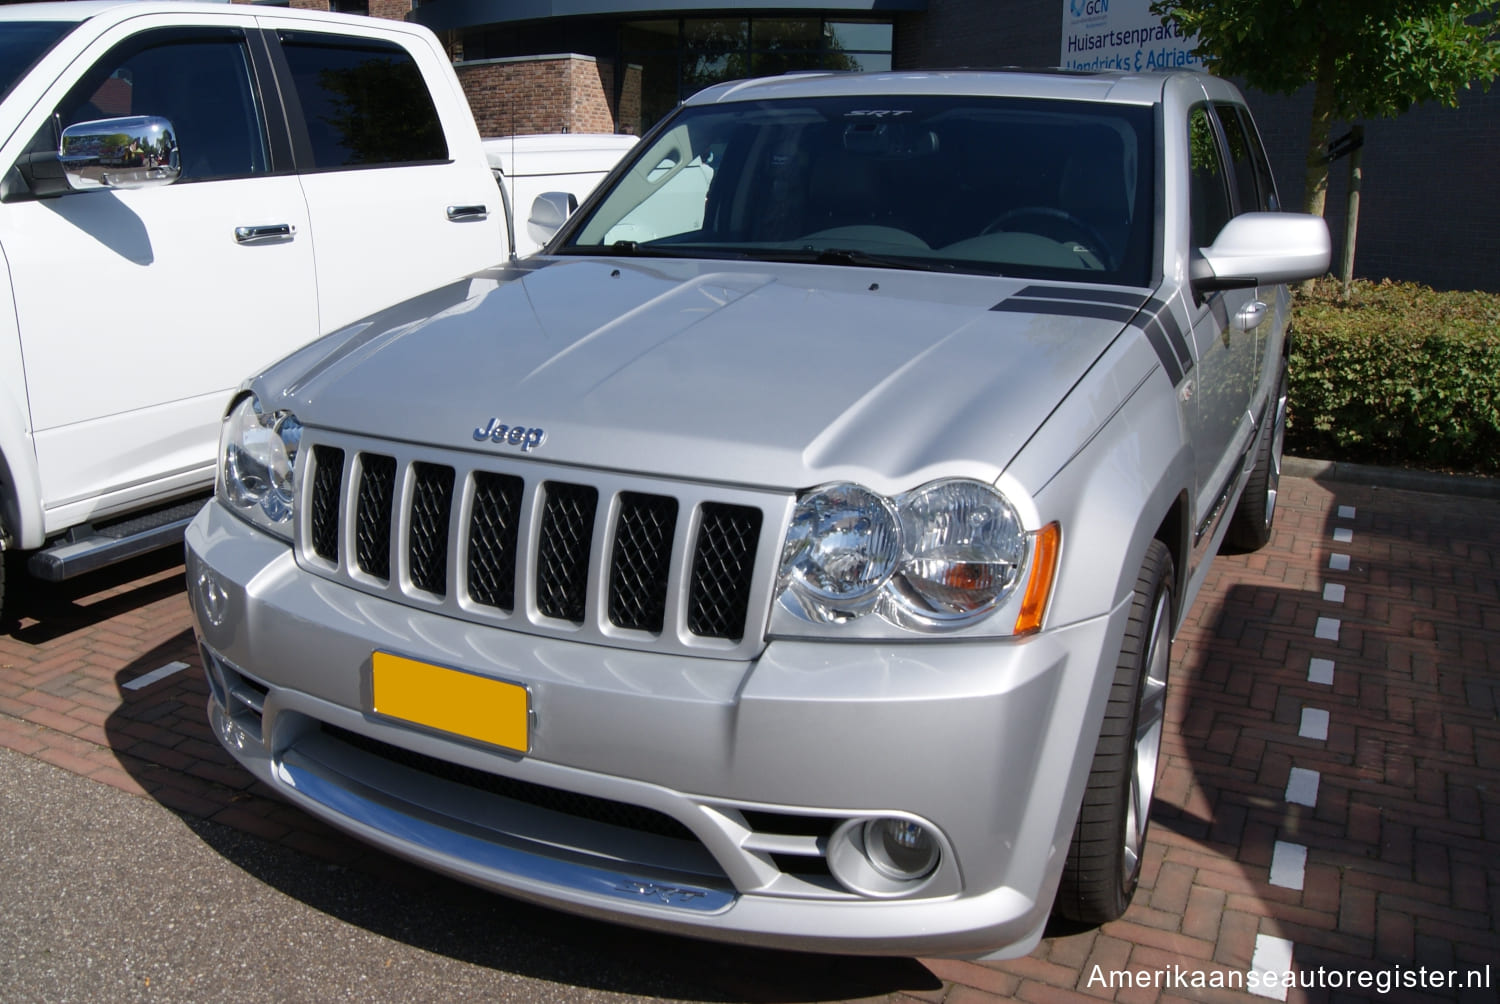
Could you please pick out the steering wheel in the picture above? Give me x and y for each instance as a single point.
(1091, 238)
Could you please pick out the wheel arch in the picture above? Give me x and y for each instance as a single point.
(20, 486)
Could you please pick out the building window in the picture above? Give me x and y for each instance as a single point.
(679, 57)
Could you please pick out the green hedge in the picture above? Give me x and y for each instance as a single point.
(1400, 375)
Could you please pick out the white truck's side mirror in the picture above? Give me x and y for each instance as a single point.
(548, 213)
(135, 152)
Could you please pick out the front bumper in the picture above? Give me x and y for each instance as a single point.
(697, 796)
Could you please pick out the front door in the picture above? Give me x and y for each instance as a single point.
(1228, 337)
(139, 310)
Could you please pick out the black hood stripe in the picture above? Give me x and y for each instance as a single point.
(1055, 308)
(1155, 318)
(1160, 313)
(1122, 297)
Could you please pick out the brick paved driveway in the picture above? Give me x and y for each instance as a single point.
(1330, 799)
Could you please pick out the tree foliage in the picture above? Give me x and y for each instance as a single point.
(1365, 58)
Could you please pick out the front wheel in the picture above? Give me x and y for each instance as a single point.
(1250, 526)
(1109, 839)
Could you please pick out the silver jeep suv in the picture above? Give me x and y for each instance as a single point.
(790, 553)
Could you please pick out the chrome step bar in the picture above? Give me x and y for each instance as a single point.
(88, 548)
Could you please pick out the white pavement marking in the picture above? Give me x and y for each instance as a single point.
(1302, 787)
(1342, 535)
(1320, 671)
(154, 675)
(1333, 592)
(1346, 512)
(1271, 964)
(1338, 562)
(1327, 629)
(1314, 724)
(1288, 865)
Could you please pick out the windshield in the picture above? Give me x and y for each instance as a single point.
(1024, 187)
(22, 43)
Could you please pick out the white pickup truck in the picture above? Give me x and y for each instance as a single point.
(187, 192)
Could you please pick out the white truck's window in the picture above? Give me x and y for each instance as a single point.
(988, 185)
(199, 79)
(364, 102)
(22, 43)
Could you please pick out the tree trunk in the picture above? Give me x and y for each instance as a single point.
(1315, 181)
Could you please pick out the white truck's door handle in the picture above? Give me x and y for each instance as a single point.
(272, 233)
(458, 214)
(1250, 316)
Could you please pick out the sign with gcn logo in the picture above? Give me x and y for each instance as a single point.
(1122, 35)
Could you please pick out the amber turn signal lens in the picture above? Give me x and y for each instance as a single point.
(1046, 544)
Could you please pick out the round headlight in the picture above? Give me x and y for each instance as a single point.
(843, 546)
(258, 455)
(965, 548)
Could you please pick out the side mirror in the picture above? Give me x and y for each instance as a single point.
(548, 213)
(135, 152)
(1257, 249)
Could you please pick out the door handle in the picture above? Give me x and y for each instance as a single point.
(271, 233)
(458, 214)
(1250, 316)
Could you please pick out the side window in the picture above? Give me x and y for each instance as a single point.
(1269, 200)
(364, 102)
(1252, 175)
(198, 79)
(1208, 183)
(1239, 158)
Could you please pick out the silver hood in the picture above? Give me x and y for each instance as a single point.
(778, 376)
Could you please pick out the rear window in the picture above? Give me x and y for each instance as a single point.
(364, 102)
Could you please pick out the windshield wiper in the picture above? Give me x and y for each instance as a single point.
(847, 257)
(633, 249)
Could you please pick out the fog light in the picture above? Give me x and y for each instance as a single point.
(213, 598)
(900, 849)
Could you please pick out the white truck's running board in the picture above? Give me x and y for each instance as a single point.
(87, 548)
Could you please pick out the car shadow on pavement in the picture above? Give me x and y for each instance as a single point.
(37, 612)
(1330, 776)
(161, 737)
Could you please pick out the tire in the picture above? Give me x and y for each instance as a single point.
(1250, 526)
(1104, 860)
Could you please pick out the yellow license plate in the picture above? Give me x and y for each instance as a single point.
(475, 707)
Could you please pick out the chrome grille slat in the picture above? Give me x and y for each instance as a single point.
(595, 556)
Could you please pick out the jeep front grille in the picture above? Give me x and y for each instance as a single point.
(372, 534)
(562, 573)
(643, 550)
(599, 557)
(325, 501)
(492, 539)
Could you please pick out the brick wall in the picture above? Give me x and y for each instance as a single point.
(544, 94)
(394, 10)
